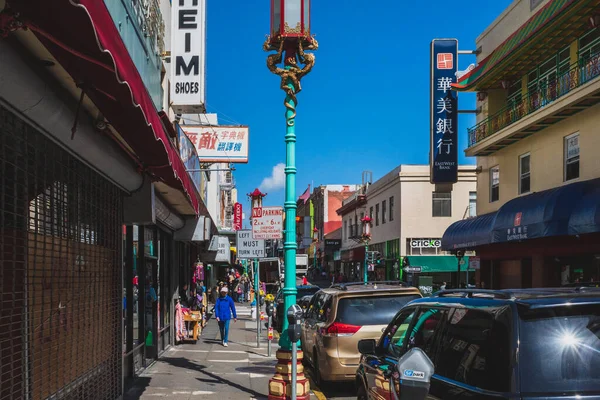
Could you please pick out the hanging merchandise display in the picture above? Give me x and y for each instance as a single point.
(198, 274)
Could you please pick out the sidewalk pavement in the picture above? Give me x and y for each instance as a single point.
(206, 369)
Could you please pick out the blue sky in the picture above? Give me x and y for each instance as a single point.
(365, 105)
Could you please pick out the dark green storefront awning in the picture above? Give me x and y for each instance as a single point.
(430, 264)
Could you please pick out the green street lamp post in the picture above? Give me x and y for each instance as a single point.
(366, 238)
(289, 36)
(315, 240)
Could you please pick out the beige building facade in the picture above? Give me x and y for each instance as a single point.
(535, 141)
(408, 219)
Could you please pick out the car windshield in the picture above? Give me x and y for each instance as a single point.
(371, 310)
(560, 350)
(307, 291)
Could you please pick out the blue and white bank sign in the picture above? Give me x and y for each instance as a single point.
(443, 157)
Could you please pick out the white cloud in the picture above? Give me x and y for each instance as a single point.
(277, 179)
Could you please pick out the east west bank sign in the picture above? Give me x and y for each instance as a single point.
(188, 56)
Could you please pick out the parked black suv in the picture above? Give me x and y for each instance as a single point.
(517, 344)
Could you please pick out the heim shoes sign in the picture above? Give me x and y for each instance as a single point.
(443, 153)
(188, 56)
(267, 223)
(214, 144)
(248, 247)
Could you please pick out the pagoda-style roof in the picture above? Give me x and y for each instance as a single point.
(257, 193)
(550, 30)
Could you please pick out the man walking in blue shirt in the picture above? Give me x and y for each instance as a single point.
(224, 309)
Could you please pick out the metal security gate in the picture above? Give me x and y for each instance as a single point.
(60, 271)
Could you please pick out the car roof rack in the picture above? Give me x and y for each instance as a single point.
(344, 286)
(469, 293)
(583, 289)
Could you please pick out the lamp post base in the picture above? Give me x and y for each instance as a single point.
(280, 386)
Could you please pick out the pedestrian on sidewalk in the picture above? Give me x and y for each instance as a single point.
(304, 280)
(224, 309)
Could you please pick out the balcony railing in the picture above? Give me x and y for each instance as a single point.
(577, 76)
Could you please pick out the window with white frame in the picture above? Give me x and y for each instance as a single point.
(442, 204)
(524, 173)
(472, 204)
(572, 157)
(494, 184)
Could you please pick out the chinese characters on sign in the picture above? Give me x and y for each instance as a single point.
(444, 112)
(267, 223)
(220, 143)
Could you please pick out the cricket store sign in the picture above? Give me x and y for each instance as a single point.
(426, 243)
(248, 247)
(267, 223)
(188, 56)
(214, 144)
(443, 154)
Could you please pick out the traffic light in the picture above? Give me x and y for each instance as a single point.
(405, 262)
(378, 257)
(270, 308)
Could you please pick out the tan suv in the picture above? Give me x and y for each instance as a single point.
(338, 317)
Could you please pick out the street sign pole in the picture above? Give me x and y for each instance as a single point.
(270, 337)
(365, 275)
(257, 300)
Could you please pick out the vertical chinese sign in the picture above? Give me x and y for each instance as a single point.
(443, 157)
(237, 216)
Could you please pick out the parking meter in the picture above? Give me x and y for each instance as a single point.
(294, 316)
(269, 308)
(415, 370)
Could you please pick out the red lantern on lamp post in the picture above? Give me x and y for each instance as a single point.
(366, 227)
(256, 197)
(290, 19)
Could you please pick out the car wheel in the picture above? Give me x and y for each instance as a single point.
(362, 393)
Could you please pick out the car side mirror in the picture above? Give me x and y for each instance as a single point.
(415, 369)
(367, 347)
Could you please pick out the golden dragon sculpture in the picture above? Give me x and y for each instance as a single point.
(291, 74)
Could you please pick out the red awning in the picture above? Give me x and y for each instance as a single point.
(85, 41)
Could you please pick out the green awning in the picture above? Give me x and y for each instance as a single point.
(535, 29)
(431, 264)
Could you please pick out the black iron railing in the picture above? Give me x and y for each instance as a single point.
(579, 75)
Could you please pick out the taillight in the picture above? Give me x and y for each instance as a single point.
(339, 329)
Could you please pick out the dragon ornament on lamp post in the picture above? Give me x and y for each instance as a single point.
(290, 37)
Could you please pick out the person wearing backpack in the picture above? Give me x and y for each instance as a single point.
(224, 310)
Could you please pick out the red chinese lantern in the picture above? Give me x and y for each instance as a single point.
(290, 19)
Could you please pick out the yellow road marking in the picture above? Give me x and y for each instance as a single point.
(315, 389)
